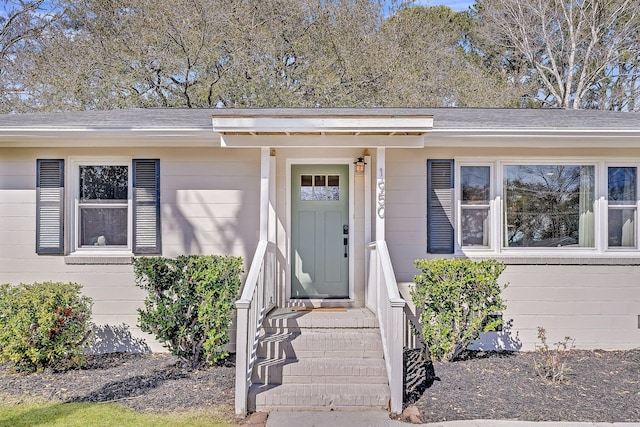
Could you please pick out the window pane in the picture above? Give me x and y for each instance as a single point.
(622, 186)
(103, 226)
(622, 230)
(333, 187)
(104, 182)
(475, 184)
(306, 187)
(549, 205)
(320, 191)
(475, 227)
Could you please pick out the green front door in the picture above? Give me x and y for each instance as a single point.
(320, 231)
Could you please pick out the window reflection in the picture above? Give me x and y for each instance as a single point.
(102, 208)
(475, 184)
(549, 205)
(104, 182)
(476, 189)
(622, 185)
(622, 196)
(475, 226)
(306, 187)
(333, 187)
(319, 187)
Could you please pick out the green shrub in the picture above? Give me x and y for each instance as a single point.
(454, 298)
(189, 303)
(44, 325)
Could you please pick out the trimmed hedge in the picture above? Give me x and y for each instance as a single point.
(44, 325)
(189, 303)
(454, 298)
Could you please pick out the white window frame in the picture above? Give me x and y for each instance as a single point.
(547, 162)
(74, 207)
(606, 207)
(491, 238)
(496, 210)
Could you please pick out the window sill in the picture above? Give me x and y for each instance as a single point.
(103, 259)
(608, 259)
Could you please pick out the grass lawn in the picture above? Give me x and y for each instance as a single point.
(102, 414)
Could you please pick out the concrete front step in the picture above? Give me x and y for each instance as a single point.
(319, 371)
(319, 359)
(288, 319)
(319, 396)
(324, 343)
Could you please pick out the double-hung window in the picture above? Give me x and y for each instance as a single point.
(475, 205)
(114, 204)
(474, 214)
(622, 192)
(103, 206)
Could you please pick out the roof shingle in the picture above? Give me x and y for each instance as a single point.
(445, 119)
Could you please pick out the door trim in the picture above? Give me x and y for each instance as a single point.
(322, 161)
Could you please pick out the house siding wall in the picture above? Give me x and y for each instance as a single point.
(596, 304)
(209, 205)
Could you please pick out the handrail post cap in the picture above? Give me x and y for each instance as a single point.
(397, 302)
(242, 304)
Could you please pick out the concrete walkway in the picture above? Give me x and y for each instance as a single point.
(381, 419)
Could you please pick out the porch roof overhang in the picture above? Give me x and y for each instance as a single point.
(399, 128)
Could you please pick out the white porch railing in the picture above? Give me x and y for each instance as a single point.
(258, 298)
(384, 299)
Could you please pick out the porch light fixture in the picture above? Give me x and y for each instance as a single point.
(359, 164)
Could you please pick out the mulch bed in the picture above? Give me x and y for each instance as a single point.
(601, 386)
(143, 382)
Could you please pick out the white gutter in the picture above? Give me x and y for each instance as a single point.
(533, 138)
(94, 137)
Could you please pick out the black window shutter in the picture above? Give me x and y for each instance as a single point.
(440, 206)
(50, 206)
(146, 206)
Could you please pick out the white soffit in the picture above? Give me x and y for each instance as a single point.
(322, 131)
(52, 137)
(534, 138)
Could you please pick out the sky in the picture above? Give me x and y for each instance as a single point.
(455, 5)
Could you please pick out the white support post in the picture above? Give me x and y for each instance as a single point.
(253, 296)
(371, 288)
(367, 200)
(242, 362)
(380, 193)
(271, 234)
(273, 293)
(368, 297)
(395, 385)
(265, 163)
